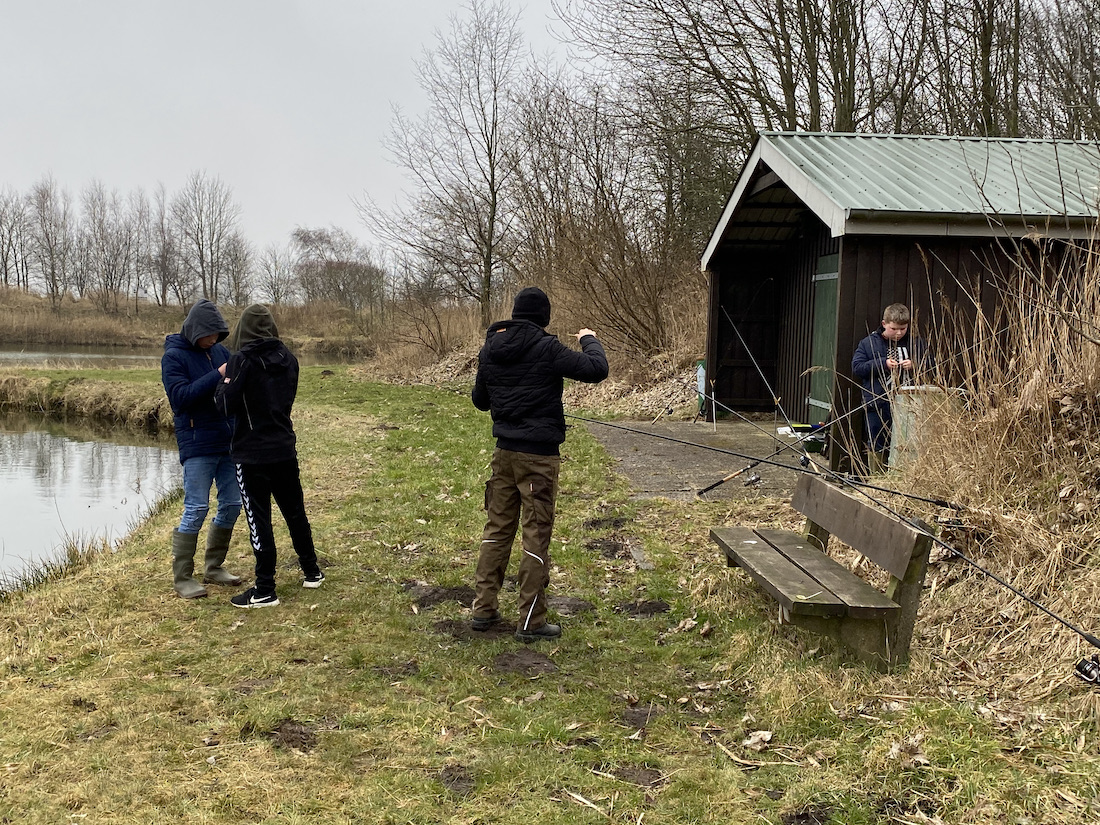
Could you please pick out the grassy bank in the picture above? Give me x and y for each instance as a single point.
(370, 700)
(133, 398)
(28, 320)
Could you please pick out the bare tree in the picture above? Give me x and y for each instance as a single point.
(110, 241)
(238, 262)
(14, 240)
(206, 217)
(796, 64)
(459, 156)
(332, 265)
(52, 234)
(1066, 93)
(423, 306)
(163, 251)
(275, 274)
(600, 231)
(141, 217)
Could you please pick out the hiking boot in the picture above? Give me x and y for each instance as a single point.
(538, 634)
(313, 582)
(250, 598)
(481, 623)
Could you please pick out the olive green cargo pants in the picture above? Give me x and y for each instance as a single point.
(527, 484)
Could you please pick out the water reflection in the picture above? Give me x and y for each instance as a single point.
(59, 480)
(75, 357)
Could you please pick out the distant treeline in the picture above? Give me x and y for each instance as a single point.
(599, 180)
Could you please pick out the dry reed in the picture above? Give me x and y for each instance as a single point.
(1018, 445)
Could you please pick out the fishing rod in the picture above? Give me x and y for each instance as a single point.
(744, 469)
(797, 468)
(1087, 669)
(939, 502)
(917, 525)
(710, 447)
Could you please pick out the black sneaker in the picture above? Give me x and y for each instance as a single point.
(538, 634)
(250, 598)
(313, 582)
(481, 623)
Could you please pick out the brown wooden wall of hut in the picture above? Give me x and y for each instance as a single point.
(769, 293)
(795, 330)
(937, 278)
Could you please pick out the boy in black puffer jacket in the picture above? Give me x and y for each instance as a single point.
(519, 381)
(261, 381)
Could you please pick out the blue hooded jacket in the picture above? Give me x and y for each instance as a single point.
(190, 376)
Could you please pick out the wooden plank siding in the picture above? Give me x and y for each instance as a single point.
(768, 291)
(795, 332)
(923, 273)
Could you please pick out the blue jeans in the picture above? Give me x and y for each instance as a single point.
(198, 474)
(879, 419)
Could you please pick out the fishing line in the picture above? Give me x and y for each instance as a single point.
(691, 443)
(916, 525)
(1088, 637)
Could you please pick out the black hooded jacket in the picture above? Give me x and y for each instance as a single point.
(261, 382)
(519, 381)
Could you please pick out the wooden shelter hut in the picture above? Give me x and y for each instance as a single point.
(822, 231)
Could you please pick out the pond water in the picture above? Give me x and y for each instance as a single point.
(106, 358)
(61, 481)
(72, 357)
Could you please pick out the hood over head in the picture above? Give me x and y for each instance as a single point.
(256, 323)
(508, 341)
(204, 319)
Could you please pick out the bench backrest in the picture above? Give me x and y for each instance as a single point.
(879, 536)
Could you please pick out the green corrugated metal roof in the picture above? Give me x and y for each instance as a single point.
(912, 185)
(916, 174)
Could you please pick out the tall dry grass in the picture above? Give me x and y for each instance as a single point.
(402, 342)
(1017, 444)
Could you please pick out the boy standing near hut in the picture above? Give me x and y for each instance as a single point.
(258, 391)
(886, 359)
(519, 381)
(191, 369)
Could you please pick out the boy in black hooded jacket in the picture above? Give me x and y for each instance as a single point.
(261, 382)
(519, 381)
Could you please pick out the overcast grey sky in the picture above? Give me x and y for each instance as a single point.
(287, 101)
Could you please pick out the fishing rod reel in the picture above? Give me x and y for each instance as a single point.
(753, 479)
(1088, 669)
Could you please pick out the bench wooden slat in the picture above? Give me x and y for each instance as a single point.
(863, 600)
(883, 539)
(785, 581)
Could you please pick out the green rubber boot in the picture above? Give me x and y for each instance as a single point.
(217, 546)
(183, 565)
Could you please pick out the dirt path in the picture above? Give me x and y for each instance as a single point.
(658, 467)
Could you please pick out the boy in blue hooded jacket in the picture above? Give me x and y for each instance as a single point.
(191, 367)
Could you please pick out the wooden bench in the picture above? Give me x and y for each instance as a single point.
(818, 593)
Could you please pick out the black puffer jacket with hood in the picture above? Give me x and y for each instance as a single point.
(519, 381)
(261, 382)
